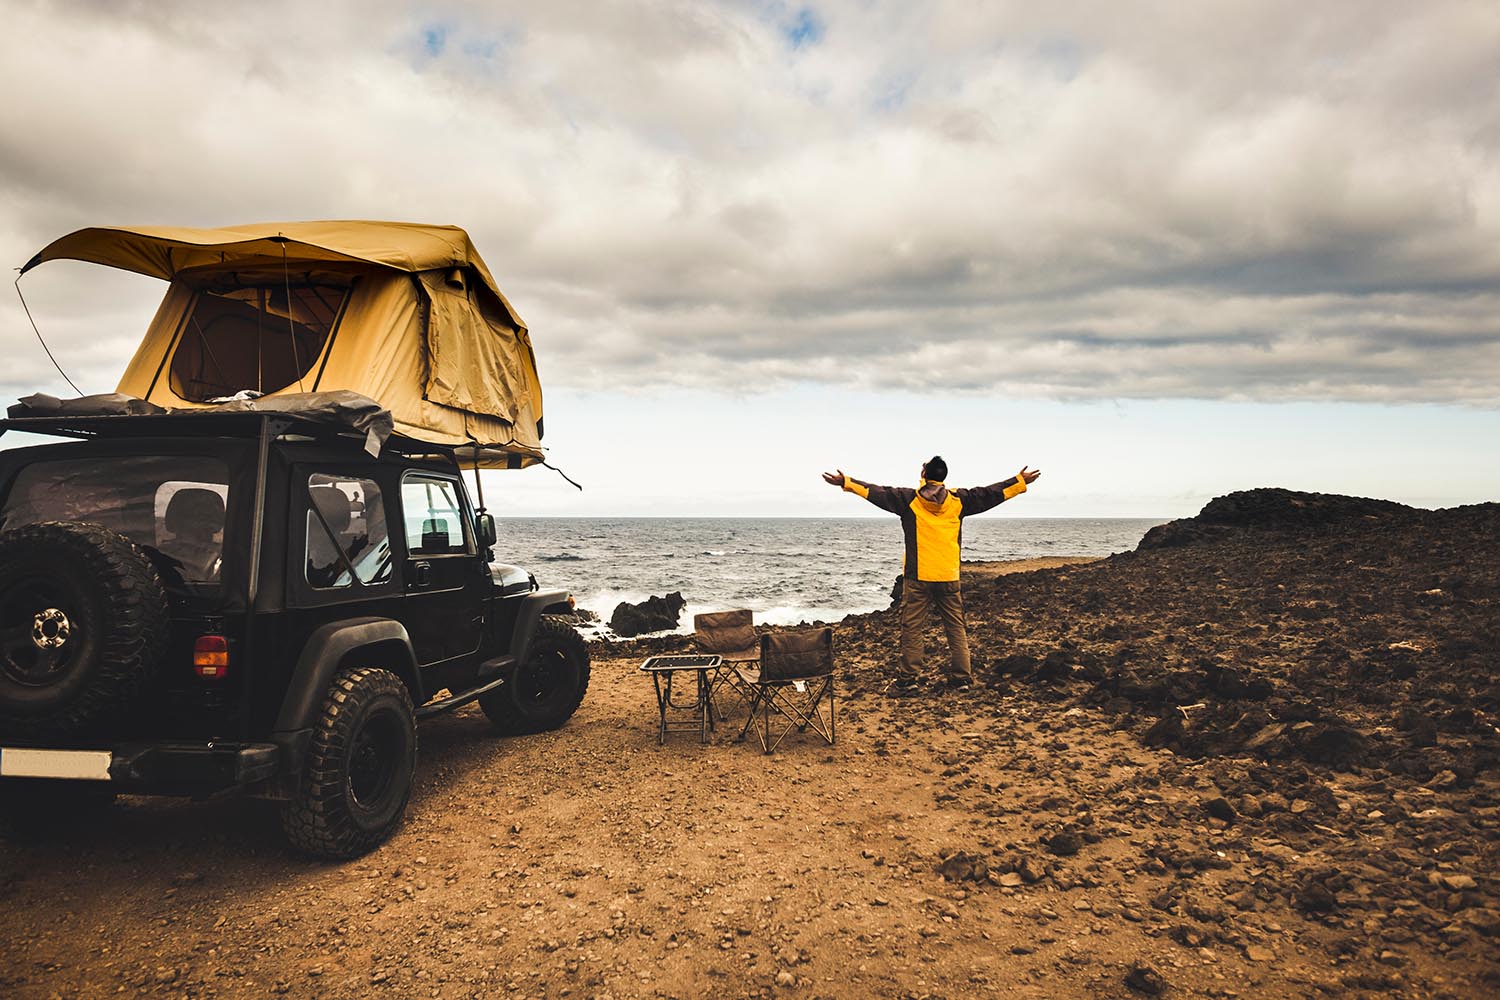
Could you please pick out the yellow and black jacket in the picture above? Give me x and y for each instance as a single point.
(932, 519)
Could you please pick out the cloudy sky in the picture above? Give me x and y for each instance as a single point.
(1160, 250)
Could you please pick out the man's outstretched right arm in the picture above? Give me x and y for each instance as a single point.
(890, 498)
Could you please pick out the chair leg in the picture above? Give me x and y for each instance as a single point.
(832, 714)
(765, 737)
(737, 688)
(755, 699)
(794, 709)
(802, 712)
(815, 711)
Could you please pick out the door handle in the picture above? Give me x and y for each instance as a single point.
(421, 574)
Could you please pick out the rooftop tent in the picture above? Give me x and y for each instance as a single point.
(405, 314)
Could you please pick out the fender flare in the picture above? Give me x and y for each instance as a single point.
(328, 648)
(533, 606)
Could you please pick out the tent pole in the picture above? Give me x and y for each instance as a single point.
(478, 482)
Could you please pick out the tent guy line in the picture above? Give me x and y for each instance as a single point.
(38, 332)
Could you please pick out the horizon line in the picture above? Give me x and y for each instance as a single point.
(809, 517)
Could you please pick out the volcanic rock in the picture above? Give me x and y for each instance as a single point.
(1219, 808)
(1315, 897)
(962, 866)
(1269, 508)
(1031, 870)
(1144, 979)
(655, 614)
(1189, 936)
(1421, 727)
(1064, 844)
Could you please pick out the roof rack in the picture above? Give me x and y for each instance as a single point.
(245, 424)
(238, 424)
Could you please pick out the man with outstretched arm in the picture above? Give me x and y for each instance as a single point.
(932, 520)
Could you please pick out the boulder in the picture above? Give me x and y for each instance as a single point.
(655, 614)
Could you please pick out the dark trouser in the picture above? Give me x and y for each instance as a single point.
(917, 598)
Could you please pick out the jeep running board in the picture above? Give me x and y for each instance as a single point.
(495, 666)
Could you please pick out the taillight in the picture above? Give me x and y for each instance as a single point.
(211, 656)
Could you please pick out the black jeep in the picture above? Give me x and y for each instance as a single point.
(194, 603)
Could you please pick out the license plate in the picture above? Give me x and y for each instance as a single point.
(80, 765)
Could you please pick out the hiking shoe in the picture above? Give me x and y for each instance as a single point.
(958, 684)
(903, 686)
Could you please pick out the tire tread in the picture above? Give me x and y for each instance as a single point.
(315, 819)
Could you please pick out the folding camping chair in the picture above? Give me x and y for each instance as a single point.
(794, 679)
(730, 634)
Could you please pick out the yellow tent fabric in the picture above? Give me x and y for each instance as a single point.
(422, 327)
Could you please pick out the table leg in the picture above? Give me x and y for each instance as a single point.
(713, 705)
(662, 700)
(705, 718)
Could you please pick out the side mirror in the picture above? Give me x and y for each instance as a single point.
(484, 530)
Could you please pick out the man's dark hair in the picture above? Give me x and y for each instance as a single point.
(935, 469)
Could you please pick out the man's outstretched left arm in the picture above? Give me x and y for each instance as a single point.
(983, 498)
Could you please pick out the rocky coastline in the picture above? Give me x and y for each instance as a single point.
(1255, 757)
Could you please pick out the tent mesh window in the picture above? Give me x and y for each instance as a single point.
(262, 337)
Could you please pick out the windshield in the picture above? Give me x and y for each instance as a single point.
(172, 504)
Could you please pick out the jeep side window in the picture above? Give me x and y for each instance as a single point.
(433, 518)
(348, 540)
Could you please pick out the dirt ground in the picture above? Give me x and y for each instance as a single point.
(993, 842)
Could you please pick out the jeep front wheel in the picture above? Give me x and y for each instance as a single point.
(548, 685)
(357, 777)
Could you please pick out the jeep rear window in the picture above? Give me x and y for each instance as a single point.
(171, 505)
(259, 337)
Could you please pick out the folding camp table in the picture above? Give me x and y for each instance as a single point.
(661, 669)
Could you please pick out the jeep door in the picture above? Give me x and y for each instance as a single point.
(444, 577)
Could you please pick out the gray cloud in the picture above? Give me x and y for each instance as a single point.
(1245, 200)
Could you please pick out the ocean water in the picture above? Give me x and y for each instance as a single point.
(786, 570)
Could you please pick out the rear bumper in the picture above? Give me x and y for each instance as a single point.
(179, 768)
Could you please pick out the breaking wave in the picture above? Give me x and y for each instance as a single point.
(785, 570)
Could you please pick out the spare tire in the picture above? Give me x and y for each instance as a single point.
(83, 619)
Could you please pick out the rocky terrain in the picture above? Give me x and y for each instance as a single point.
(1326, 674)
(1256, 757)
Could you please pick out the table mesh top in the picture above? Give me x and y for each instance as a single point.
(681, 662)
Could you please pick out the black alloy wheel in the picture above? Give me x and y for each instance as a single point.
(548, 685)
(375, 759)
(47, 626)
